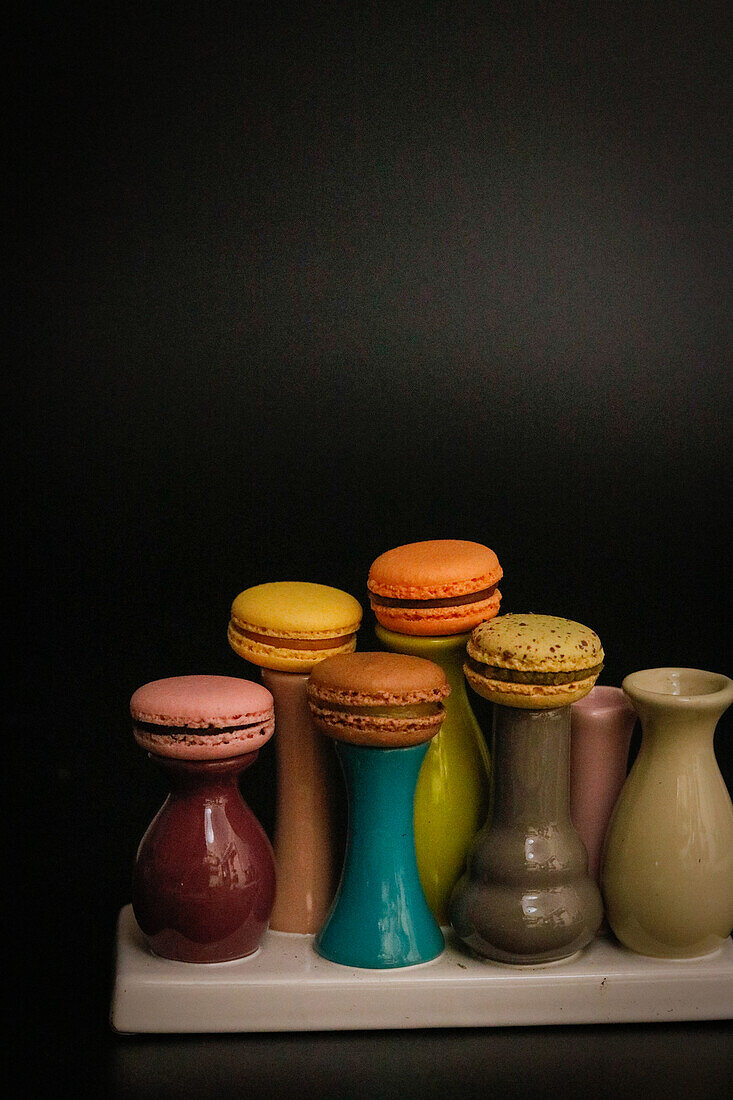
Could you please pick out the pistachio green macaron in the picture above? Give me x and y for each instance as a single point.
(533, 661)
(292, 625)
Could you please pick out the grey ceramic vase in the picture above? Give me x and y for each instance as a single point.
(526, 896)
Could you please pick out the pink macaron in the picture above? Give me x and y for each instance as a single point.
(202, 717)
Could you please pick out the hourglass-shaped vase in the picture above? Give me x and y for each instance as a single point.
(381, 709)
(380, 918)
(452, 794)
(204, 876)
(667, 870)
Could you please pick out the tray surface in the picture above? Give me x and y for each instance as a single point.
(286, 986)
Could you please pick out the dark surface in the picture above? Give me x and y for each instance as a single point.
(286, 291)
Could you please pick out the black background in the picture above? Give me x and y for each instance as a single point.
(289, 289)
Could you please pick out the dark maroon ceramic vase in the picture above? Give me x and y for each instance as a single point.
(204, 878)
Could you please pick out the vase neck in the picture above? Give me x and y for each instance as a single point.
(292, 715)
(452, 665)
(531, 754)
(288, 689)
(675, 723)
(381, 788)
(669, 731)
(191, 777)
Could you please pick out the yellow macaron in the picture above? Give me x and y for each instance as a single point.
(533, 661)
(292, 625)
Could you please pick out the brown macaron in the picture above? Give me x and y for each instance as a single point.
(383, 700)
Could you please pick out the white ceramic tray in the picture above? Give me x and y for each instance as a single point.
(286, 986)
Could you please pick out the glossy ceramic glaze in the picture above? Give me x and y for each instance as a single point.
(667, 874)
(526, 896)
(452, 795)
(204, 877)
(380, 918)
(307, 844)
(601, 725)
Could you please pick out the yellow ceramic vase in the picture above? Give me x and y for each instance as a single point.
(452, 794)
(667, 872)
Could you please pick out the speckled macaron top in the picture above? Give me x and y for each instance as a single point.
(202, 717)
(292, 625)
(533, 660)
(438, 587)
(384, 700)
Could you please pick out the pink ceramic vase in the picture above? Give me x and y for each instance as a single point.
(306, 840)
(601, 724)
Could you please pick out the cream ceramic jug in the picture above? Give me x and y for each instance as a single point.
(667, 873)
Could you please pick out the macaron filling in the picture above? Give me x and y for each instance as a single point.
(449, 601)
(280, 642)
(415, 710)
(519, 676)
(253, 725)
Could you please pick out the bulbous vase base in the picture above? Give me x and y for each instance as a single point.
(520, 926)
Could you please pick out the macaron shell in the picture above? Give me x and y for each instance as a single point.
(297, 609)
(437, 621)
(535, 643)
(202, 702)
(435, 569)
(378, 679)
(528, 696)
(281, 658)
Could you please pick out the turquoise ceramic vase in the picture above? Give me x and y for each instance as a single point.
(380, 918)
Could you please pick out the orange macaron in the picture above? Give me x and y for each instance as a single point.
(434, 588)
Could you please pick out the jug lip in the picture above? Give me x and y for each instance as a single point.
(678, 686)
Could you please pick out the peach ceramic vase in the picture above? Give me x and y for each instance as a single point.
(667, 868)
(307, 839)
(601, 724)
